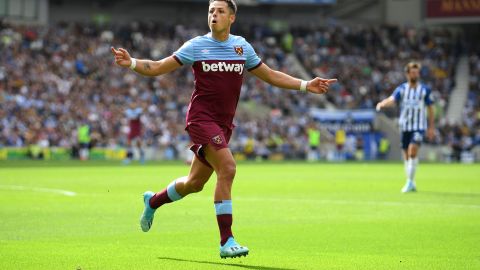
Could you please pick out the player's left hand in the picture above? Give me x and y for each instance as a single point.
(122, 57)
(430, 134)
(320, 85)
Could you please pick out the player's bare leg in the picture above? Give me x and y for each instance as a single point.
(224, 165)
(197, 178)
(128, 159)
(179, 188)
(411, 162)
(141, 151)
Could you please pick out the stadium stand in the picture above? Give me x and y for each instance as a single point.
(55, 79)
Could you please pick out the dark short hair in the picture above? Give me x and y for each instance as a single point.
(412, 64)
(231, 4)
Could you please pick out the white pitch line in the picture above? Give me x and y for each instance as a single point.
(391, 203)
(39, 189)
(343, 202)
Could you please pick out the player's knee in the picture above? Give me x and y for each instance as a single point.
(228, 171)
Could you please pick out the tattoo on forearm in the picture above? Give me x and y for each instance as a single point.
(146, 66)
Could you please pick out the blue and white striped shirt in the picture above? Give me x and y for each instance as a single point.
(413, 106)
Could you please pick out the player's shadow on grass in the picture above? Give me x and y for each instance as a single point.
(228, 264)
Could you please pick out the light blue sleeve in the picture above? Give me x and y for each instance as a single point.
(397, 94)
(185, 53)
(252, 61)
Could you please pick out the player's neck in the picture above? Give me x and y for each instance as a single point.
(221, 36)
(412, 84)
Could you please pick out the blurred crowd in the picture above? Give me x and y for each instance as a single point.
(55, 79)
(369, 61)
(462, 138)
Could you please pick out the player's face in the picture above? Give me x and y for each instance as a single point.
(413, 75)
(220, 17)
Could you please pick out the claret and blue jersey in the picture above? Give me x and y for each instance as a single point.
(218, 68)
(133, 114)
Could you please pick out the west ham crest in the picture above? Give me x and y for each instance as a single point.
(217, 139)
(238, 50)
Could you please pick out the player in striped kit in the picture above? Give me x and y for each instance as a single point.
(415, 103)
(219, 61)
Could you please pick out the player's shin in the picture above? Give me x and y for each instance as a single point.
(167, 195)
(142, 155)
(412, 168)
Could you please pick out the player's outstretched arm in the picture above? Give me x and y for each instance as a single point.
(144, 66)
(388, 102)
(285, 81)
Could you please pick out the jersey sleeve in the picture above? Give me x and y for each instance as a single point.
(184, 55)
(428, 97)
(397, 94)
(252, 61)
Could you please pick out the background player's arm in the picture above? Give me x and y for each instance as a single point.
(388, 102)
(431, 123)
(144, 66)
(285, 81)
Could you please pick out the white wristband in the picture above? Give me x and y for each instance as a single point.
(133, 64)
(303, 86)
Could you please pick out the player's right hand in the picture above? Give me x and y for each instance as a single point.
(379, 106)
(122, 57)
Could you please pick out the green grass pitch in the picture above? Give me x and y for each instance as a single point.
(290, 215)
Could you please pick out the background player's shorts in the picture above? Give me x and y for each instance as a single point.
(409, 137)
(205, 133)
(134, 134)
(84, 145)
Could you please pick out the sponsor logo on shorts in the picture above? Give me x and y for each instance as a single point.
(217, 139)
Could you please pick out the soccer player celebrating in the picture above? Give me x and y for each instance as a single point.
(133, 115)
(415, 100)
(218, 60)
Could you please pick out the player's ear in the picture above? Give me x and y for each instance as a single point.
(232, 18)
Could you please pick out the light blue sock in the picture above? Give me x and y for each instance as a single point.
(172, 191)
(223, 207)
